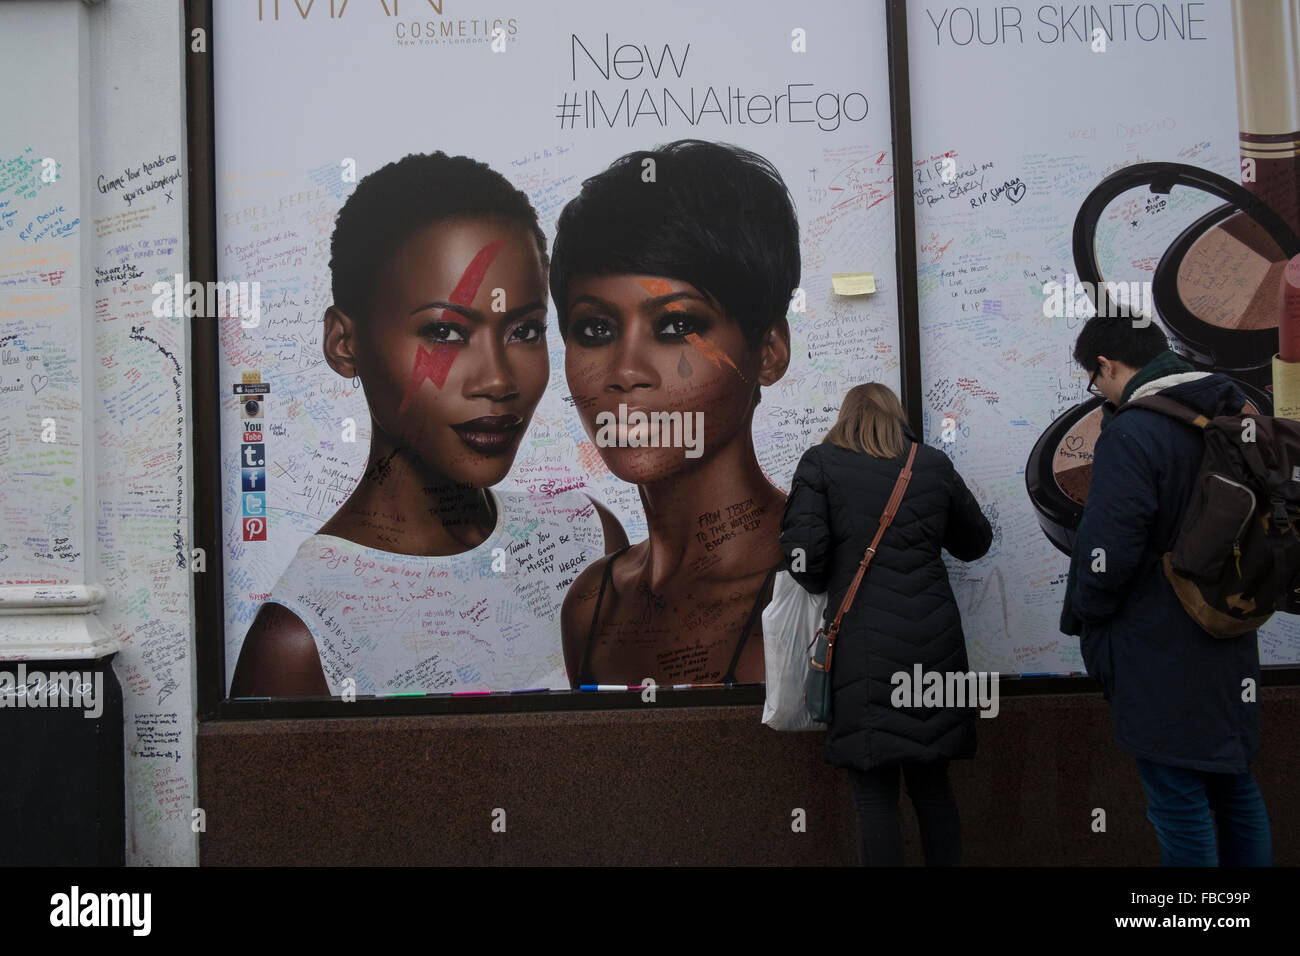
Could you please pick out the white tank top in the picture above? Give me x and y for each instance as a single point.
(486, 619)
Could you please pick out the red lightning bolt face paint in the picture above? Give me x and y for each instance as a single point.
(434, 364)
(473, 275)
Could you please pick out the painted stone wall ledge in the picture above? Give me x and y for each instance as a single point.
(53, 622)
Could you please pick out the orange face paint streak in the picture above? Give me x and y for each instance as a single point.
(712, 352)
(658, 287)
(434, 364)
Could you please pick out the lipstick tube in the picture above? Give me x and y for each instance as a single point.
(1266, 40)
(1266, 43)
(1286, 373)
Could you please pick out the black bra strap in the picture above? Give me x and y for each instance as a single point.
(759, 604)
(584, 675)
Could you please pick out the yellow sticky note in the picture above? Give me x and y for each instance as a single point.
(853, 283)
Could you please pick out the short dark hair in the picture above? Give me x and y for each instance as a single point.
(1118, 339)
(396, 200)
(715, 215)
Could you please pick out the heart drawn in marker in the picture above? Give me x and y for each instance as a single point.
(39, 382)
(1016, 192)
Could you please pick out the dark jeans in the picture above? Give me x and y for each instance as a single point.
(1179, 802)
(880, 834)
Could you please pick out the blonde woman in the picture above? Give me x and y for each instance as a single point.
(904, 615)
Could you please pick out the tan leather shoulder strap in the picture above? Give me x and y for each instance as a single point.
(891, 509)
(1167, 406)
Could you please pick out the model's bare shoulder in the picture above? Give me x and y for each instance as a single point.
(279, 658)
(575, 616)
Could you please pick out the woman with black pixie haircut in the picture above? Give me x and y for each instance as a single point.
(671, 275)
(425, 580)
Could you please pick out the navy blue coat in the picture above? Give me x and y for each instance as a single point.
(904, 613)
(1175, 691)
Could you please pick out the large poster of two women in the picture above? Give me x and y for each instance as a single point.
(550, 299)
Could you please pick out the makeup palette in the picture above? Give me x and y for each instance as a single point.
(1059, 470)
(1229, 275)
(1216, 288)
(1216, 291)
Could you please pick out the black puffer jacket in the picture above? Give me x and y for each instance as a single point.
(905, 612)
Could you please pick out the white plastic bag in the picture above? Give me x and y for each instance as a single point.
(789, 622)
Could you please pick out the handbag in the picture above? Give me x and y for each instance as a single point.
(787, 619)
(817, 692)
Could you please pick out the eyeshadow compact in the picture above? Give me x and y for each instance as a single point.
(1217, 287)
(1216, 291)
(1059, 469)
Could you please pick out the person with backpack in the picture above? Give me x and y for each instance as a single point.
(1183, 700)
